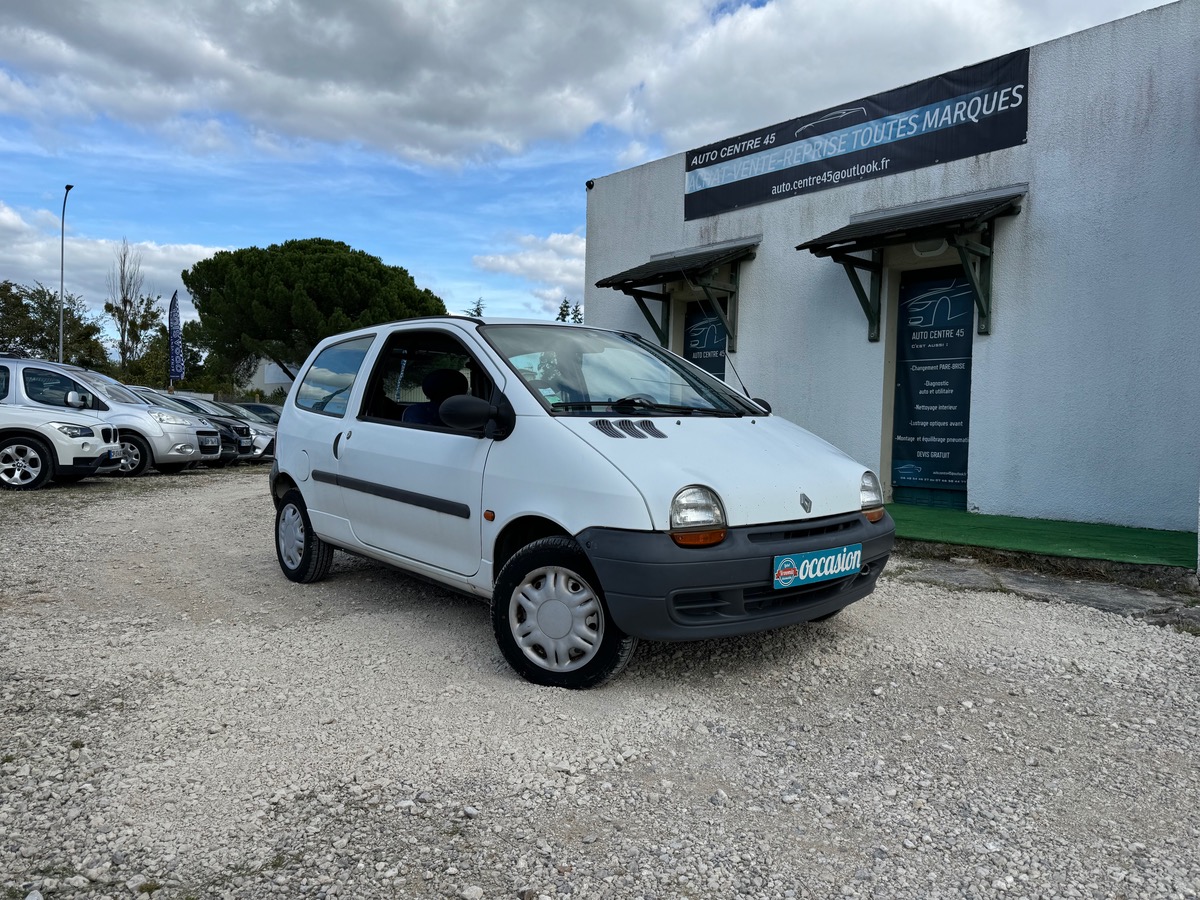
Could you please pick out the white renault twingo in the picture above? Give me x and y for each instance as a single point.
(594, 487)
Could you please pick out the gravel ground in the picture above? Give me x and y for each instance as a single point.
(178, 720)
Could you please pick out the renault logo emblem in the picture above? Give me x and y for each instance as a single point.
(806, 503)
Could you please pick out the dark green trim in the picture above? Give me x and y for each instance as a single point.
(660, 328)
(871, 301)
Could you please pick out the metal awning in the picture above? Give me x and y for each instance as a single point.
(942, 221)
(698, 266)
(953, 221)
(687, 265)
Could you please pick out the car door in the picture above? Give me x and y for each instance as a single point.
(317, 426)
(413, 486)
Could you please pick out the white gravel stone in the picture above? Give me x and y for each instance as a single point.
(179, 720)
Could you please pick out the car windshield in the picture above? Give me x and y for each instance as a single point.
(208, 407)
(270, 416)
(164, 401)
(240, 412)
(110, 390)
(585, 371)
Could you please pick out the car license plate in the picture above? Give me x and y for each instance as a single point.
(795, 569)
(244, 443)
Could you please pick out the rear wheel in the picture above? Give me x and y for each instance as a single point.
(550, 619)
(303, 556)
(25, 464)
(137, 455)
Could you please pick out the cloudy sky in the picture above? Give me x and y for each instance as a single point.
(451, 137)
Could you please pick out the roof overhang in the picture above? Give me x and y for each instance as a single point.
(964, 222)
(685, 265)
(945, 220)
(698, 267)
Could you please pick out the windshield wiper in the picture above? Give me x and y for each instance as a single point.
(635, 405)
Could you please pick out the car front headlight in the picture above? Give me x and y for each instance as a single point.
(166, 418)
(697, 517)
(870, 494)
(73, 431)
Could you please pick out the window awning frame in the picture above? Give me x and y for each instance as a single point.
(954, 221)
(697, 267)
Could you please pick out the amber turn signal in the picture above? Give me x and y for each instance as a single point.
(698, 538)
(873, 515)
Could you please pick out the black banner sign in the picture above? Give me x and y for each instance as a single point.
(974, 110)
(933, 380)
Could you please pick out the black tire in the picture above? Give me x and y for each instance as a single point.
(25, 464)
(302, 555)
(172, 468)
(552, 577)
(137, 455)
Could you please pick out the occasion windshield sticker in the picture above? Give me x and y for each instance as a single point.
(820, 565)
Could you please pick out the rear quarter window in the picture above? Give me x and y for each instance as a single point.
(326, 385)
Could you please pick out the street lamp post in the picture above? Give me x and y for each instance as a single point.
(62, 246)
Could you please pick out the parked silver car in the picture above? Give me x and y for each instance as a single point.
(149, 435)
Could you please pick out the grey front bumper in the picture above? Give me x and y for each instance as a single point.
(660, 591)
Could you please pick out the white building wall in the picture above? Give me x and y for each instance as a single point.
(1086, 395)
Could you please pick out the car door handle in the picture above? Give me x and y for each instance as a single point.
(337, 440)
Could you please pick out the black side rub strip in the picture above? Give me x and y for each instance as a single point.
(424, 501)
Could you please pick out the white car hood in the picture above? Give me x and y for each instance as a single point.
(759, 466)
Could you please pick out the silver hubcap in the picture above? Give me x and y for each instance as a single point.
(556, 619)
(133, 457)
(19, 465)
(290, 536)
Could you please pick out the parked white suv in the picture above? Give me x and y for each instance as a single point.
(148, 435)
(40, 445)
(595, 487)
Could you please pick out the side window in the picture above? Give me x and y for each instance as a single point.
(416, 372)
(4, 376)
(50, 388)
(327, 383)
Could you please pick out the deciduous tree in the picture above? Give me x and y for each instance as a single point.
(136, 315)
(29, 325)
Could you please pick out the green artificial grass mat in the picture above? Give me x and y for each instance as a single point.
(1080, 540)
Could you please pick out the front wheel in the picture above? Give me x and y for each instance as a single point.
(550, 619)
(25, 464)
(303, 556)
(137, 456)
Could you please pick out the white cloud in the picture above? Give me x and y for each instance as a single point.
(554, 264)
(279, 99)
(455, 80)
(30, 256)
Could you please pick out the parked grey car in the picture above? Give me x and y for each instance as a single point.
(149, 435)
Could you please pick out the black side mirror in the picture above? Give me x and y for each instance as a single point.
(474, 413)
(763, 403)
